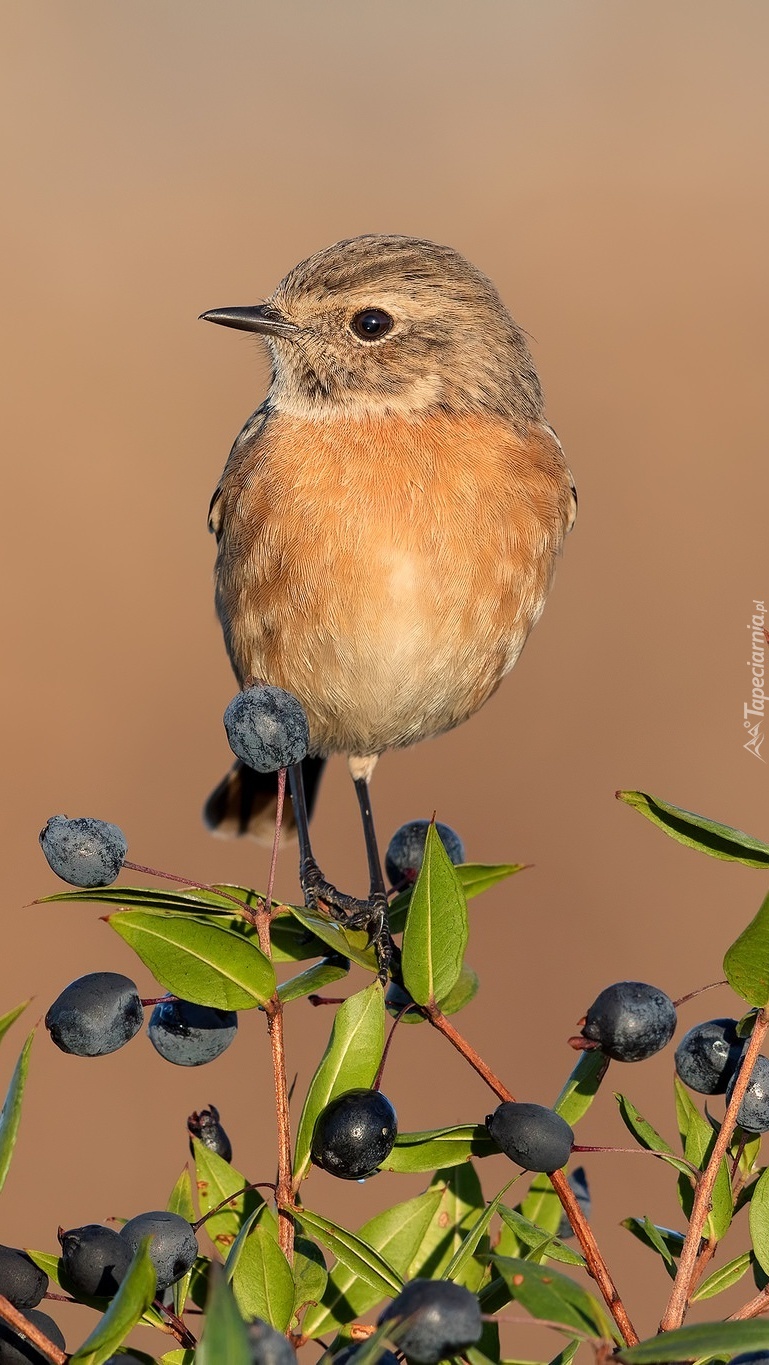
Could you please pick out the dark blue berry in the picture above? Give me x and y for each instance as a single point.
(268, 1346)
(95, 1259)
(630, 1021)
(444, 1319)
(531, 1135)
(267, 728)
(708, 1055)
(406, 850)
(191, 1035)
(173, 1247)
(83, 852)
(16, 1350)
(95, 1015)
(21, 1281)
(354, 1134)
(753, 1113)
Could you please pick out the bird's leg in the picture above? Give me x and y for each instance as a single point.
(368, 914)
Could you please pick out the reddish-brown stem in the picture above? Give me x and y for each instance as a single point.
(377, 1081)
(175, 1326)
(27, 1329)
(752, 1309)
(684, 999)
(682, 1286)
(244, 909)
(253, 1185)
(274, 1011)
(583, 1232)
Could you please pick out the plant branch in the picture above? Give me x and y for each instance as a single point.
(27, 1329)
(274, 1012)
(175, 1326)
(687, 1266)
(596, 1265)
(753, 1308)
(245, 910)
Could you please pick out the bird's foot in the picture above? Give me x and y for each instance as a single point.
(352, 911)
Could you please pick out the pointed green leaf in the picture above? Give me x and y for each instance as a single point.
(581, 1088)
(647, 1136)
(568, 1353)
(260, 1275)
(473, 1237)
(10, 1115)
(310, 1278)
(397, 1234)
(313, 979)
(720, 841)
(461, 1202)
(155, 898)
(352, 1251)
(746, 965)
(698, 1145)
(352, 943)
(724, 1277)
(178, 1358)
(759, 1221)
(664, 1241)
(202, 961)
(224, 1337)
(133, 1298)
(435, 936)
(6, 1020)
(180, 1201)
(439, 1147)
(217, 1180)
(350, 1062)
(537, 1239)
(474, 878)
(702, 1339)
(545, 1293)
(462, 992)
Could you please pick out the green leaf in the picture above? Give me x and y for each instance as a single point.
(698, 1144)
(224, 1337)
(133, 1298)
(180, 1201)
(352, 943)
(10, 1018)
(545, 1293)
(664, 1241)
(537, 1239)
(542, 1205)
(759, 1220)
(200, 960)
(435, 936)
(439, 1147)
(462, 992)
(701, 1339)
(581, 1088)
(720, 841)
(155, 898)
(178, 1358)
(217, 1180)
(474, 878)
(473, 1237)
(724, 1277)
(746, 965)
(310, 1277)
(352, 1251)
(568, 1353)
(350, 1062)
(461, 1201)
(647, 1136)
(10, 1115)
(397, 1234)
(313, 979)
(260, 1275)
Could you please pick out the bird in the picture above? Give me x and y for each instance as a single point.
(389, 520)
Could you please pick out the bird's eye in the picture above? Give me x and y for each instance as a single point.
(371, 324)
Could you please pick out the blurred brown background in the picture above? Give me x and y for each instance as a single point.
(605, 165)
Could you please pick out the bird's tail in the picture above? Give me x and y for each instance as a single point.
(245, 802)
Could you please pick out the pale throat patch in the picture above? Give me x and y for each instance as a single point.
(412, 401)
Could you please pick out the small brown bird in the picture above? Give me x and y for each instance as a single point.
(389, 520)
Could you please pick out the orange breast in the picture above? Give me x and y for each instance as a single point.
(387, 572)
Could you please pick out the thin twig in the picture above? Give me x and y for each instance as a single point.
(596, 1265)
(30, 1332)
(752, 1309)
(245, 910)
(682, 1286)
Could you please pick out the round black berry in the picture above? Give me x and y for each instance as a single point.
(267, 728)
(173, 1247)
(206, 1127)
(190, 1035)
(95, 1015)
(354, 1134)
(531, 1135)
(753, 1113)
(708, 1055)
(268, 1346)
(21, 1281)
(445, 1318)
(15, 1350)
(406, 850)
(95, 1259)
(630, 1021)
(84, 852)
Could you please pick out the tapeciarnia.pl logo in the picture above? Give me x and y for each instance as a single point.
(753, 711)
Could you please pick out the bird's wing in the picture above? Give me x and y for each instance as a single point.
(243, 441)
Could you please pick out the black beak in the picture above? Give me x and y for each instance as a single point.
(262, 317)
